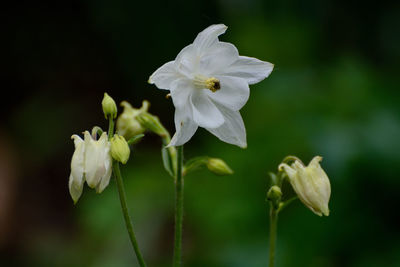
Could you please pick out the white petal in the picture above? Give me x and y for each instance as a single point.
(78, 160)
(289, 170)
(75, 188)
(251, 69)
(164, 75)
(205, 113)
(209, 36)
(105, 180)
(185, 127)
(76, 178)
(314, 163)
(94, 159)
(233, 94)
(218, 57)
(77, 140)
(186, 62)
(233, 130)
(180, 92)
(106, 162)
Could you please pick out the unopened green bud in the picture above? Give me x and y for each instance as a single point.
(152, 123)
(274, 194)
(109, 107)
(310, 183)
(127, 123)
(218, 166)
(120, 149)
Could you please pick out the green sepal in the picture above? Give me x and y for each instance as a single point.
(136, 139)
(195, 164)
(274, 179)
(167, 160)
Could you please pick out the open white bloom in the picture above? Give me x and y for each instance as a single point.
(209, 84)
(92, 162)
(310, 183)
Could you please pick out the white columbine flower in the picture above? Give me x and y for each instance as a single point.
(92, 162)
(310, 183)
(209, 84)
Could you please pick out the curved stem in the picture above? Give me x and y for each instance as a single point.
(273, 221)
(178, 208)
(128, 222)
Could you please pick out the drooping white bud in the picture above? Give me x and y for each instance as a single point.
(310, 183)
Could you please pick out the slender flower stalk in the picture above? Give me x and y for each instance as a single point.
(311, 185)
(179, 184)
(273, 223)
(110, 128)
(128, 221)
(122, 198)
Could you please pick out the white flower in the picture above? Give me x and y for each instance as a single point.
(209, 84)
(310, 183)
(92, 162)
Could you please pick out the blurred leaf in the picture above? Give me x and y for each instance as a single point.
(167, 161)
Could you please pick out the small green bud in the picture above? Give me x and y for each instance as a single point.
(152, 123)
(218, 166)
(274, 194)
(109, 107)
(120, 149)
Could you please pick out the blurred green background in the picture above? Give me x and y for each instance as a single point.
(334, 92)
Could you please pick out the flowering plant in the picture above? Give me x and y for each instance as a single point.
(209, 83)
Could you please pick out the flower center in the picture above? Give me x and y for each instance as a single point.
(202, 82)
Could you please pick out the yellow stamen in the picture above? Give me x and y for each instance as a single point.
(213, 84)
(201, 82)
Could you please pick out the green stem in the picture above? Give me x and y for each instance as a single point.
(178, 209)
(273, 222)
(128, 222)
(110, 128)
(122, 198)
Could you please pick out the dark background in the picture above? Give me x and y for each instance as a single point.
(333, 92)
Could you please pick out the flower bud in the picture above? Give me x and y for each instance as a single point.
(91, 162)
(310, 183)
(120, 149)
(218, 166)
(109, 107)
(127, 123)
(152, 123)
(274, 194)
